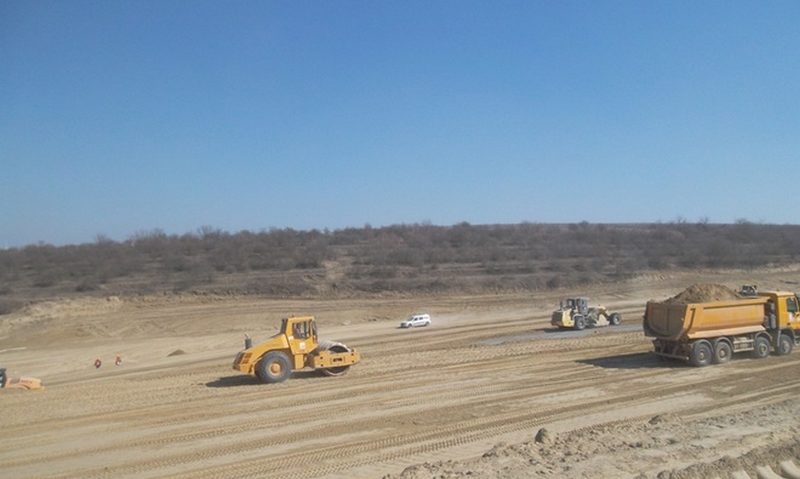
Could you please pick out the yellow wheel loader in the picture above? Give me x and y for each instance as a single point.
(295, 347)
(575, 313)
(21, 383)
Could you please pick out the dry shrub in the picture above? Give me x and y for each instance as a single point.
(415, 257)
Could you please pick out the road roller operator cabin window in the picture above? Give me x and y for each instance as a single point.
(297, 332)
(300, 330)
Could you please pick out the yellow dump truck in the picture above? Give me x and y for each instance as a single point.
(706, 333)
(295, 347)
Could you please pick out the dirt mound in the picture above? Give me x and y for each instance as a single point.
(703, 293)
(544, 436)
(769, 456)
(730, 442)
(177, 352)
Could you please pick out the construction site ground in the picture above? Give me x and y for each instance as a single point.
(464, 397)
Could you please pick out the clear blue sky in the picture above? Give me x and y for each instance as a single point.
(118, 117)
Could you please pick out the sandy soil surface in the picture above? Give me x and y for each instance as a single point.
(464, 397)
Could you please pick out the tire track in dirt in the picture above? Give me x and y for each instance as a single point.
(494, 426)
(556, 385)
(423, 394)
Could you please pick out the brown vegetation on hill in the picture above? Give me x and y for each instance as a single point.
(404, 258)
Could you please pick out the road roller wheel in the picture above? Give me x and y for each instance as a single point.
(274, 367)
(337, 371)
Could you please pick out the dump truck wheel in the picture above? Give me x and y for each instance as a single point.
(615, 319)
(785, 345)
(578, 322)
(760, 347)
(341, 370)
(702, 353)
(722, 352)
(274, 367)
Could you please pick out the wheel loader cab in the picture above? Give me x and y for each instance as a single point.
(578, 305)
(562, 317)
(575, 313)
(581, 305)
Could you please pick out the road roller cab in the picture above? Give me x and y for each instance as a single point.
(295, 347)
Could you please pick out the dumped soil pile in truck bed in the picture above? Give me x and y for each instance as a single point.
(703, 293)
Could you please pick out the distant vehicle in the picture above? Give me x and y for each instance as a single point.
(749, 290)
(416, 320)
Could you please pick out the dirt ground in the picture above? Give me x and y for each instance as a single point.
(464, 397)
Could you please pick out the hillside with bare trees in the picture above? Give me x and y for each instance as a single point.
(415, 258)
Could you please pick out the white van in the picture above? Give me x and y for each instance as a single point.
(416, 320)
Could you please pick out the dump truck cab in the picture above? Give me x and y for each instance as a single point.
(783, 311)
(296, 346)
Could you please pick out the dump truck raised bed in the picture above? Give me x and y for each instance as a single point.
(295, 347)
(706, 333)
